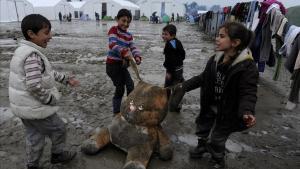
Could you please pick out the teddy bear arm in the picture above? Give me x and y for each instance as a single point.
(97, 141)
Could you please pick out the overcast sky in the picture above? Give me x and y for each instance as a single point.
(222, 3)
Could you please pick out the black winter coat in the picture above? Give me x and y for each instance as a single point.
(174, 56)
(239, 95)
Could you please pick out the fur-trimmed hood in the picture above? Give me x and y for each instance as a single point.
(244, 55)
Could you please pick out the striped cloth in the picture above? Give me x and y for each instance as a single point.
(120, 42)
(34, 68)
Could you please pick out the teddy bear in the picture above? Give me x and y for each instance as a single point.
(137, 128)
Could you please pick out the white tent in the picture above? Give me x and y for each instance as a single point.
(161, 7)
(14, 10)
(108, 8)
(51, 8)
(77, 5)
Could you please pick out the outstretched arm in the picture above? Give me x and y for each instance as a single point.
(248, 95)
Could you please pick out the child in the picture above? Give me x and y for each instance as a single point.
(33, 95)
(228, 92)
(121, 47)
(174, 56)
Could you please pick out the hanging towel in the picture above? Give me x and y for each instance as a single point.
(281, 28)
(288, 40)
(276, 19)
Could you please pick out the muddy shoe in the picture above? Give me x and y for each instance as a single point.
(198, 151)
(134, 165)
(89, 147)
(217, 163)
(63, 157)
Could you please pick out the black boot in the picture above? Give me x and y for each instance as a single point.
(198, 151)
(63, 157)
(33, 167)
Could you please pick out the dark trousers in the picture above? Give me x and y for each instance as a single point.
(207, 126)
(176, 77)
(294, 93)
(121, 78)
(37, 130)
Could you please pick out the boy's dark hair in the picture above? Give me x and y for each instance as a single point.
(124, 12)
(237, 30)
(171, 29)
(34, 22)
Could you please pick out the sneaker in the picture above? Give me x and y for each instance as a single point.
(218, 163)
(63, 157)
(290, 105)
(198, 151)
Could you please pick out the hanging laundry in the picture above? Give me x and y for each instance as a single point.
(290, 63)
(288, 40)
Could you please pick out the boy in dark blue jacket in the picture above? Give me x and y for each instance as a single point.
(174, 56)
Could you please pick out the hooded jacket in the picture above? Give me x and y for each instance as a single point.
(239, 95)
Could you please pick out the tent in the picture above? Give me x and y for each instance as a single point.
(51, 8)
(162, 7)
(14, 10)
(108, 8)
(77, 5)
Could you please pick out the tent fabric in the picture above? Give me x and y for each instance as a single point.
(112, 7)
(127, 4)
(77, 5)
(14, 10)
(44, 3)
(51, 8)
(162, 7)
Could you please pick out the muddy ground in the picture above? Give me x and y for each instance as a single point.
(79, 48)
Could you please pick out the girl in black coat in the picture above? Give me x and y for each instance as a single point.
(228, 92)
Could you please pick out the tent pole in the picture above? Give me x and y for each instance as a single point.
(16, 10)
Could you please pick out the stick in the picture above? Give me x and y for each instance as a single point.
(134, 67)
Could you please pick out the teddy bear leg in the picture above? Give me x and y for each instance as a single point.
(138, 156)
(97, 141)
(165, 146)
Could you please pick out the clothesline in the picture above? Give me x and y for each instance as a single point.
(267, 19)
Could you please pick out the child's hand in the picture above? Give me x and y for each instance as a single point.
(249, 120)
(126, 53)
(73, 82)
(137, 60)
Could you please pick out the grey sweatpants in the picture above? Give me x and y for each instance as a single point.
(216, 134)
(37, 130)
